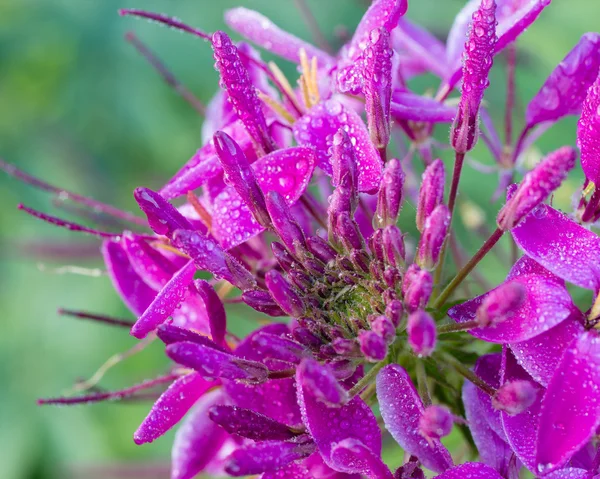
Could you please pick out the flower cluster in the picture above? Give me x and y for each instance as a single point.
(290, 209)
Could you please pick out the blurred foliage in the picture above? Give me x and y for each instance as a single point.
(81, 109)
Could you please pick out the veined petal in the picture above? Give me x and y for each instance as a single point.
(322, 122)
(163, 217)
(329, 425)
(402, 417)
(547, 303)
(165, 302)
(136, 294)
(521, 429)
(588, 130)
(147, 262)
(215, 311)
(353, 456)
(571, 407)
(570, 473)
(171, 406)
(198, 440)
(540, 355)
(470, 470)
(260, 30)
(251, 424)
(562, 246)
(287, 171)
(565, 89)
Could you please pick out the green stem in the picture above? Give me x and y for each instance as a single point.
(454, 327)
(466, 269)
(469, 375)
(422, 384)
(367, 378)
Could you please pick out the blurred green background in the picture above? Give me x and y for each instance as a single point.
(80, 108)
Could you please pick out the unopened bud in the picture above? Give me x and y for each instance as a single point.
(394, 311)
(384, 327)
(433, 237)
(389, 200)
(501, 304)
(348, 232)
(431, 193)
(421, 333)
(321, 382)
(321, 249)
(515, 397)
(284, 294)
(284, 223)
(372, 346)
(393, 246)
(416, 287)
(436, 422)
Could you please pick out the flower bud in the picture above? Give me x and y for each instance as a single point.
(284, 224)
(479, 52)
(500, 304)
(306, 337)
(393, 246)
(284, 294)
(348, 232)
(262, 302)
(421, 333)
(240, 90)
(372, 346)
(321, 249)
(345, 347)
(389, 200)
(377, 86)
(376, 244)
(433, 237)
(515, 397)
(416, 287)
(431, 193)
(285, 260)
(394, 311)
(239, 175)
(436, 422)
(321, 382)
(537, 184)
(384, 327)
(345, 171)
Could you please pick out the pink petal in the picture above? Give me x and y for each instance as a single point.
(147, 262)
(408, 106)
(510, 27)
(351, 455)
(570, 473)
(329, 425)
(455, 44)
(215, 311)
(562, 246)
(287, 171)
(402, 417)
(547, 304)
(566, 87)
(198, 440)
(421, 45)
(261, 31)
(165, 302)
(571, 407)
(521, 429)
(470, 470)
(488, 368)
(291, 471)
(539, 356)
(171, 406)
(130, 286)
(316, 129)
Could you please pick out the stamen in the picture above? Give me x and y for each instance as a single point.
(95, 317)
(166, 75)
(204, 215)
(588, 189)
(65, 194)
(276, 107)
(113, 361)
(305, 93)
(224, 289)
(308, 79)
(169, 248)
(285, 86)
(109, 395)
(67, 224)
(313, 79)
(170, 21)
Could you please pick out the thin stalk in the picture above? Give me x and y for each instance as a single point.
(313, 26)
(455, 327)
(101, 318)
(464, 272)
(366, 379)
(422, 384)
(469, 375)
(511, 61)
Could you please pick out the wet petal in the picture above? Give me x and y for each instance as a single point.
(291, 471)
(470, 470)
(562, 246)
(547, 303)
(322, 384)
(351, 455)
(512, 26)
(248, 423)
(171, 406)
(571, 407)
(401, 418)
(147, 262)
(317, 128)
(570, 473)
(163, 217)
(408, 106)
(215, 311)
(198, 440)
(130, 286)
(420, 45)
(165, 302)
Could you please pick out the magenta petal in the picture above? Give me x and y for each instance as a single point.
(351, 455)
(163, 217)
(198, 440)
(215, 311)
(330, 425)
(317, 128)
(420, 45)
(521, 428)
(570, 473)
(260, 30)
(547, 304)
(408, 106)
(204, 165)
(470, 470)
(148, 263)
(171, 406)
(539, 356)
(571, 407)
(287, 171)
(130, 286)
(166, 301)
(401, 418)
(566, 87)
(510, 27)
(587, 133)
(562, 246)
(291, 471)
(488, 368)
(455, 44)
(248, 423)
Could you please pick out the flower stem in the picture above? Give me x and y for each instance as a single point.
(455, 327)
(511, 61)
(464, 272)
(366, 379)
(422, 383)
(469, 375)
